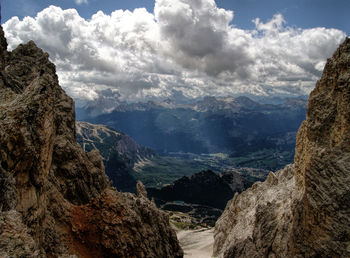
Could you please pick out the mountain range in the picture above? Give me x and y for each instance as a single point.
(235, 126)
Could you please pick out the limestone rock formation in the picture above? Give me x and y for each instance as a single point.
(252, 219)
(302, 211)
(55, 199)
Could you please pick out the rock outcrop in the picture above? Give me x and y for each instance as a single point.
(111, 143)
(55, 199)
(119, 152)
(301, 211)
(206, 188)
(202, 196)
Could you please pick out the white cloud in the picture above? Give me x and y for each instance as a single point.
(197, 34)
(185, 46)
(79, 2)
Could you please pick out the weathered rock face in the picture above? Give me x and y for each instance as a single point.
(131, 226)
(321, 209)
(15, 241)
(302, 211)
(253, 219)
(49, 185)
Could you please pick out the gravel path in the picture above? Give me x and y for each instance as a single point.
(197, 243)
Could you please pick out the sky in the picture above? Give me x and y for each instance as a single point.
(138, 50)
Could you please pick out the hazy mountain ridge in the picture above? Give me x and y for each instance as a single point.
(208, 103)
(110, 142)
(118, 150)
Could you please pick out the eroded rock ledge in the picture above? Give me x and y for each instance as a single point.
(301, 211)
(55, 199)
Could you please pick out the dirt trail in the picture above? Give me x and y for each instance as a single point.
(197, 243)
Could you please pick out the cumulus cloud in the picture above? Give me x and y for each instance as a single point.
(197, 33)
(188, 47)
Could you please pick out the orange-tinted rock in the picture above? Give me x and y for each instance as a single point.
(122, 225)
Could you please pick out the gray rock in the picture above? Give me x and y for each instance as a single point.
(141, 190)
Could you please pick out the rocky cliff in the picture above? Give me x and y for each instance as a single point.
(110, 142)
(119, 152)
(303, 210)
(55, 199)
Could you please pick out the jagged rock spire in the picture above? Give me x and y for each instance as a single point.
(3, 48)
